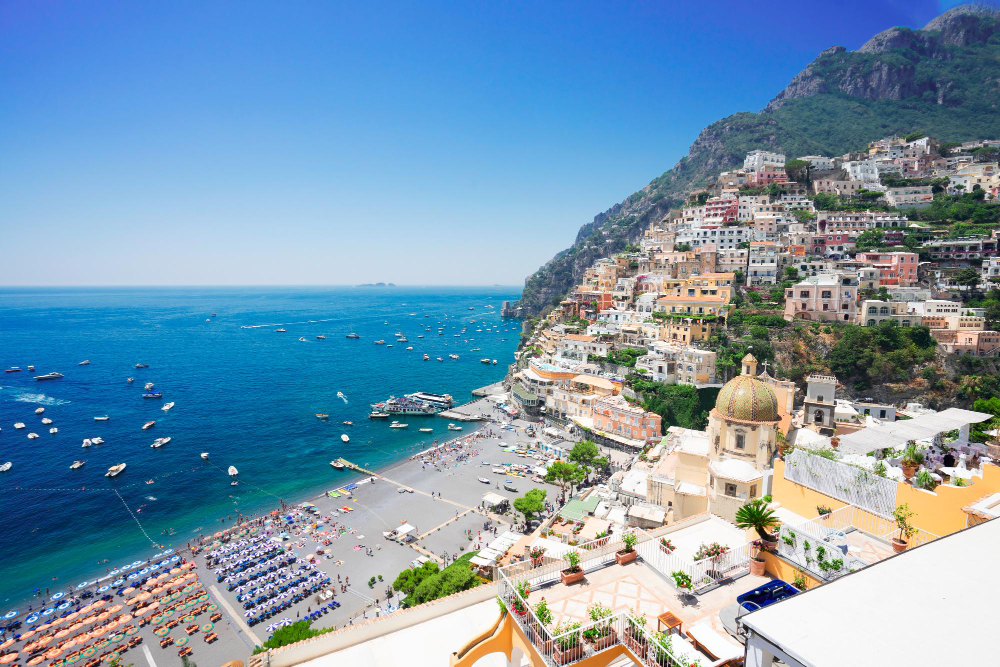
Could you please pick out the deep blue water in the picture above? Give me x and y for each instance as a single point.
(246, 396)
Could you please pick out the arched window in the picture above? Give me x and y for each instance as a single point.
(818, 416)
(872, 310)
(884, 310)
(871, 323)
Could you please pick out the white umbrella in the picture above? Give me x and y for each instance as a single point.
(285, 621)
(273, 627)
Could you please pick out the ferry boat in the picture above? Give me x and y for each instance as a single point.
(115, 470)
(352, 335)
(442, 401)
(148, 425)
(49, 376)
(85, 362)
(454, 427)
(167, 406)
(397, 425)
(77, 464)
(337, 464)
(142, 365)
(101, 419)
(12, 369)
(344, 438)
(322, 415)
(405, 406)
(153, 394)
(375, 414)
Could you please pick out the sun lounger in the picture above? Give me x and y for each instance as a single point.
(715, 645)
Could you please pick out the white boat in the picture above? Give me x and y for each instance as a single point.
(204, 456)
(484, 360)
(97, 441)
(426, 357)
(49, 376)
(320, 337)
(46, 421)
(233, 472)
(341, 396)
(53, 430)
(454, 427)
(32, 436)
(86, 443)
(130, 380)
(337, 464)
(453, 356)
(101, 419)
(18, 424)
(494, 362)
(77, 464)
(142, 365)
(5, 467)
(148, 386)
(484, 480)
(115, 470)
(159, 442)
(302, 338)
(39, 411)
(440, 359)
(85, 362)
(167, 406)
(410, 348)
(344, 437)
(148, 425)
(397, 425)
(426, 430)
(281, 330)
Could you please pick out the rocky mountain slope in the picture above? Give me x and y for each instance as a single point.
(943, 80)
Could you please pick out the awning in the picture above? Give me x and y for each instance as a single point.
(479, 560)
(896, 434)
(493, 499)
(405, 529)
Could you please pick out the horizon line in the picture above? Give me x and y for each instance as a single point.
(385, 284)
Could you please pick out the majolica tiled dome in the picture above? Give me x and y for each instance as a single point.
(748, 399)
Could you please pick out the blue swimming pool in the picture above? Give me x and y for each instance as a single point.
(767, 594)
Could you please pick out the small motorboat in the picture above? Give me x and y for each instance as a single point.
(454, 427)
(233, 472)
(14, 369)
(46, 421)
(18, 424)
(453, 356)
(371, 415)
(167, 406)
(130, 380)
(207, 319)
(213, 314)
(85, 362)
(53, 430)
(159, 442)
(484, 480)
(115, 470)
(347, 423)
(344, 438)
(49, 376)
(148, 425)
(397, 425)
(101, 419)
(337, 464)
(303, 339)
(320, 337)
(440, 359)
(322, 415)
(380, 342)
(426, 430)
(410, 348)
(97, 441)
(341, 396)
(484, 360)
(142, 365)
(30, 368)
(153, 394)
(427, 357)
(280, 330)
(5, 467)
(39, 411)
(352, 335)
(86, 443)
(204, 456)
(32, 436)
(494, 362)
(148, 386)
(77, 464)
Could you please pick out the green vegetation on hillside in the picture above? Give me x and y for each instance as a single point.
(885, 353)
(427, 583)
(677, 404)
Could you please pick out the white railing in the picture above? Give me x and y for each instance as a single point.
(704, 573)
(851, 484)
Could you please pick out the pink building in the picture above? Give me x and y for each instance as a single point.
(829, 297)
(721, 209)
(982, 343)
(894, 268)
(613, 414)
(768, 175)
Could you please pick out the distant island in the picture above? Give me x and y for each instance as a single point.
(377, 285)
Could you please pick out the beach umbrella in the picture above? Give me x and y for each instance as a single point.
(131, 631)
(9, 657)
(104, 588)
(99, 603)
(77, 625)
(59, 595)
(118, 636)
(101, 643)
(7, 642)
(89, 651)
(285, 621)
(213, 606)
(27, 634)
(124, 618)
(62, 633)
(53, 652)
(64, 605)
(145, 595)
(44, 641)
(103, 615)
(117, 582)
(74, 658)
(161, 631)
(128, 591)
(182, 641)
(32, 619)
(111, 657)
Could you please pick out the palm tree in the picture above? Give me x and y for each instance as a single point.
(755, 514)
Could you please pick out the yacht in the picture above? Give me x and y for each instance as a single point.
(148, 425)
(204, 456)
(405, 406)
(375, 414)
(46, 421)
(344, 437)
(130, 380)
(49, 376)
(159, 442)
(322, 415)
(167, 406)
(280, 330)
(77, 464)
(85, 362)
(12, 369)
(453, 356)
(53, 430)
(39, 411)
(148, 386)
(427, 357)
(30, 368)
(426, 430)
(32, 436)
(347, 423)
(86, 443)
(484, 360)
(142, 365)
(337, 464)
(352, 335)
(397, 425)
(442, 401)
(320, 337)
(115, 470)
(5, 467)
(18, 424)
(380, 342)
(440, 359)
(454, 427)
(153, 394)
(97, 441)
(101, 419)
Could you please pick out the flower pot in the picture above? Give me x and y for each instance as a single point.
(667, 550)
(636, 644)
(607, 640)
(909, 471)
(568, 577)
(565, 655)
(769, 544)
(898, 545)
(623, 557)
(757, 567)
(520, 613)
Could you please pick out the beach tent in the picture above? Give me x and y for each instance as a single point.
(406, 532)
(493, 499)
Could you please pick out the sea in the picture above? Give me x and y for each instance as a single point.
(243, 392)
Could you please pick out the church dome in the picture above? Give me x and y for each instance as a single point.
(748, 399)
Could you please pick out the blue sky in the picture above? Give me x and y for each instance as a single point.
(331, 143)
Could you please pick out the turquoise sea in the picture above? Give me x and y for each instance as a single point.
(248, 396)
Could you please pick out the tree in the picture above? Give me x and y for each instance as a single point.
(792, 272)
(564, 474)
(587, 455)
(410, 578)
(967, 277)
(755, 514)
(682, 247)
(797, 170)
(290, 634)
(825, 201)
(530, 504)
(870, 239)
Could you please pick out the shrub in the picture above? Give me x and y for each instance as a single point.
(682, 580)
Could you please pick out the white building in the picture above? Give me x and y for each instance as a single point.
(758, 160)
(819, 162)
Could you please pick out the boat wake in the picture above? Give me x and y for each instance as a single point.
(284, 324)
(40, 399)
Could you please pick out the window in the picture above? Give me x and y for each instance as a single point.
(753, 490)
(730, 489)
(740, 441)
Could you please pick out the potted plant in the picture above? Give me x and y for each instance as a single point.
(544, 616)
(536, 554)
(574, 572)
(635, 633)
(757, 561)
(911, 460)
(519, 602)
(664, 649)
(666, 546)
(715, 551)
(601, 634)
(628, 554)
(756, 514)
(823, 511)
(901, 515)
(568, 646)
(682, 580)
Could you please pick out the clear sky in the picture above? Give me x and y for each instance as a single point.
(330, 143)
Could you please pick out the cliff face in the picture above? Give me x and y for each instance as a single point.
(943, 80)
